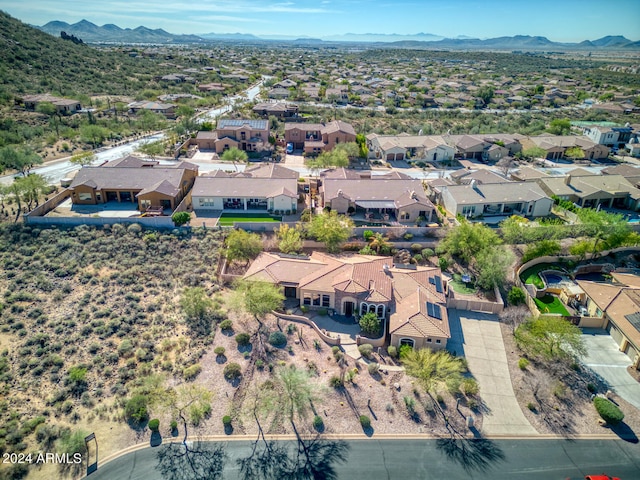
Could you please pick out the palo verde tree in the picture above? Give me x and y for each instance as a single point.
(198, 309)
(83, 158)
(331, 229)
(235, 155)
(289, 239)
(550, 338)
(257, 298)
(242, 246)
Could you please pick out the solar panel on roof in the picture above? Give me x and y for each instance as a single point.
(434, 310)
(438, 284)
(634, 319)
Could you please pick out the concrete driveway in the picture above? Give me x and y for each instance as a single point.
(604, 358)
(477, 336)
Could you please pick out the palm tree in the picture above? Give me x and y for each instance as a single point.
(234, 155)
(379, 242)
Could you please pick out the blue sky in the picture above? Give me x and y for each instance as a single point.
(559, 20)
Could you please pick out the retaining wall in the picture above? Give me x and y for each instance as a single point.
(300, 319)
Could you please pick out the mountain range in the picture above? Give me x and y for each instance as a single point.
(92, 33)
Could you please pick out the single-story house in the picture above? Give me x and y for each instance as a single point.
(557, 145)
(619, 305)
(411, 301)
(166, 109)
(63, 105)
(277, 109)
(266, 188)
(593, 190)
(393, 196)
(148, 185)
(513, 198)
(465, 177)
(431, 148)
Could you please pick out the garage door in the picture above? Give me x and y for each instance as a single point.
(615, 333)
(399, 156)
(390, 157)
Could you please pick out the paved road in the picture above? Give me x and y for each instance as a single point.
(477, 336)
(605, 358)
(372, 459)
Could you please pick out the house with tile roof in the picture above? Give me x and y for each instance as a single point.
(393, 196)
(591, 191)
(412, 300)
(265, 188)
(246, 135)
(315, 138)
(134, 180)
(526, 199)
(430, 148)
(557, 145)
(618, 303)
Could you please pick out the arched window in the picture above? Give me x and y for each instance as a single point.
(381, 311)
(363, 308)
(372, 309)
(407, 341)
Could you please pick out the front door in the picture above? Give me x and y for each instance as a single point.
(348, 309)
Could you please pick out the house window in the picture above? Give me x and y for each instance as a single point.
(380, 310)
(404, 216)
(438, 341)
(316, 299)
(325, 300)
(468, 209)
(84, 197)
(429, 340)
(307, 299)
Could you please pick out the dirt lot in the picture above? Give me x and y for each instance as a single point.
(556, 409)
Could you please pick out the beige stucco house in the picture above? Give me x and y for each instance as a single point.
(411, 299)
(394, 196)
(315, 138)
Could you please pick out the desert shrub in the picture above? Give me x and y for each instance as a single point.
(278, 339)
(191, 372)
(125, 349)
(427, 252)
(318, 423)
(407, 236)
(336, 382)
(453, 384)
(136, 408)
(154, 424)
(609, 412)
(173, 425)
(410, 403)
(226, 421)
(243, 339)
(531, 406)
(219, 351)
(516, 296)
(373, 368)
(322, 312)
(226, 325)
(523, 363)
(559, 389)
(180, 218)
(392, 351)
(591, 388)
(259, 364)
(366, 350)
(416, 247)
(367, 234)
(365, 421)
(469, 387)
(370, 323)
(232, 371)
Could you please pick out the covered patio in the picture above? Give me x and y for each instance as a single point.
(384, 210)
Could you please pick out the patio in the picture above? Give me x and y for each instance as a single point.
(105, 210)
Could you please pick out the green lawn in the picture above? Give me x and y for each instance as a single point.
(459, 286)
(551, 304)
(530, 275)
(228, 219)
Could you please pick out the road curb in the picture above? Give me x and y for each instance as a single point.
(354, 436)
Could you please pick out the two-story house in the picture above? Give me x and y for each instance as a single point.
(246, 135)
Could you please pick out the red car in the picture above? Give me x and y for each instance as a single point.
(600, 477)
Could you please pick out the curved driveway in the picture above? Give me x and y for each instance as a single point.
(478, 337)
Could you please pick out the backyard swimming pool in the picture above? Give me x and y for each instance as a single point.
(553, 279)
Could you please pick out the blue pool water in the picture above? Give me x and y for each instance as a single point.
(551, 278)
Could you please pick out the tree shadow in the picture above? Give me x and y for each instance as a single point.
(473, 454)
(191, 461)
(245, 348)
(156, 439)
(303, 459)
(625, 432)
(220, 359)
(229, 332)
(368, 431)
(228, 429)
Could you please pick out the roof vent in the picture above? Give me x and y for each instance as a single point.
(385, 267)
(340, 192)
(413, 194)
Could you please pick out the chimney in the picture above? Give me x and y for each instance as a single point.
(567, 180)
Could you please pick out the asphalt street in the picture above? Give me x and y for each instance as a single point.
(372, 459)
